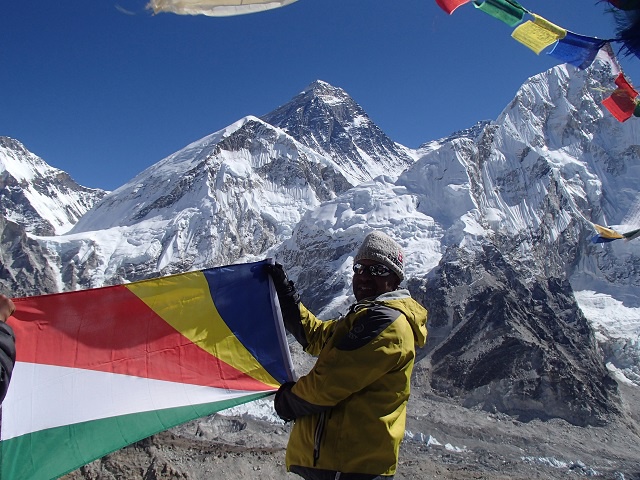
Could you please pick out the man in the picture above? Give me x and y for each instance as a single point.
(350, 409)
(7, 345)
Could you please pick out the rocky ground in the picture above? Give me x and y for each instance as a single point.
(444, 441)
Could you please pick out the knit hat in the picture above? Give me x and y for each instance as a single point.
(381, 248)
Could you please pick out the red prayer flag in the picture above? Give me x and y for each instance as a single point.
(450, 5)
(620, 104)
(623, 84)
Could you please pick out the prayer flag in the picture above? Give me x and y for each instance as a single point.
(609, 235)
(450, 5)
(99, 369)
(578, 50)
(621, 103)
(215, 8)
(622, 83)
(507, 11)
(538, 34)
(607, 56)
(605, 234)
(601, 239)
(632, 234)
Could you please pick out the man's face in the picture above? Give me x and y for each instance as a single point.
(366, 285)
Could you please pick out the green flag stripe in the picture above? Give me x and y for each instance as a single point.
(30, 456)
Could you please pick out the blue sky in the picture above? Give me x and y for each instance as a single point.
(103, 89)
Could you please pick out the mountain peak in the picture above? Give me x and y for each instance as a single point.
(11, 143)
(326, 91)
(41, 198)
(326, 119)
(319, 85)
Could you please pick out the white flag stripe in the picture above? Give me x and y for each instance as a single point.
(46, 396)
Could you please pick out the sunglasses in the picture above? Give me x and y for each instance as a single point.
(376, 270)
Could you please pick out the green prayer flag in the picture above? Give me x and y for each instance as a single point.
(632, 234)
(507, 11)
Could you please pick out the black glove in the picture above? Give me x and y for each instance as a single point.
(289, 406)
(281, 403)
(289, 302)
(283, 285)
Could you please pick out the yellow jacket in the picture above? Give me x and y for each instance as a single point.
(359, 386)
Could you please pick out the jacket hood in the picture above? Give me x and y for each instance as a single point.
(415, 313)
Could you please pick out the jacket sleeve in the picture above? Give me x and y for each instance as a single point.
(7, 357)
(316, 331)
(309, 331)
(376, 344)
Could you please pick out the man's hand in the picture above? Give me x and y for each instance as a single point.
(281, 403)
(6, 308)
(283, 285)
(289, 302)
(289, 406)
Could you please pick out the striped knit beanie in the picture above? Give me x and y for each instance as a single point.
(381, 248)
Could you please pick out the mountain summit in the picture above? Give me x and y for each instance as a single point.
(326, 119)
(45, 200)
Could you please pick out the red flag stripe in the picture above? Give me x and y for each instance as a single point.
(131, 340)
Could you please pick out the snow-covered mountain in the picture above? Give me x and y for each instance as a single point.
(329, 121)
(497, 229)
(229, 196)
(35, 199)
(495, 221)
(43, 199)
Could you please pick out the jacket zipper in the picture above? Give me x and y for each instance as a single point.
(318, 437)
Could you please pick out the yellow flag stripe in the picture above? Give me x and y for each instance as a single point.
(184, 302)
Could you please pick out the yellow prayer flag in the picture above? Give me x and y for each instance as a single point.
(538, 34)
(608, 233)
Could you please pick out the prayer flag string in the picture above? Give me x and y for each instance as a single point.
(580, 51)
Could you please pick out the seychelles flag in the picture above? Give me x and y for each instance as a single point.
(99, 369)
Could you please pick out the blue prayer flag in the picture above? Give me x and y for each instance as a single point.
(578, 50)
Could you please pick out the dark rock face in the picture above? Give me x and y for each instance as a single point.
(13, 199)
(504, 342)
(24, 270)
